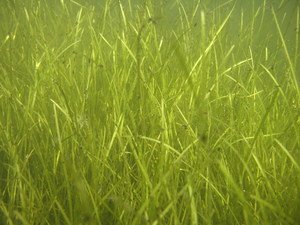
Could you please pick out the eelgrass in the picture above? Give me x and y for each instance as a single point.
(149, 113)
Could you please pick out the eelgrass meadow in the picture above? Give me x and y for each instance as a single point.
(149, 112)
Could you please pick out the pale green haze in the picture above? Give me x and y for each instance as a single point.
(149, 112)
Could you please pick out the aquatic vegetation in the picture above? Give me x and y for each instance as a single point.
(149, 112)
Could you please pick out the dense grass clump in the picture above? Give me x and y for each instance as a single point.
(149, 112)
